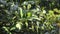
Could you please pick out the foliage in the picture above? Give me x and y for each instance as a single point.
(24, 17)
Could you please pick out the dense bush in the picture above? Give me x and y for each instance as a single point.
(29, 16)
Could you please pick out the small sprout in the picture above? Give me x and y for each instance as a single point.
(44, 11)
(24, 7)
(29, 6)
(18, 26)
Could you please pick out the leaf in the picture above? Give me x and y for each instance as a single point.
(29, 14)
(21, 12)
(29, 6)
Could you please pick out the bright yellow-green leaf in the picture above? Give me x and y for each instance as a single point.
(29, 14)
